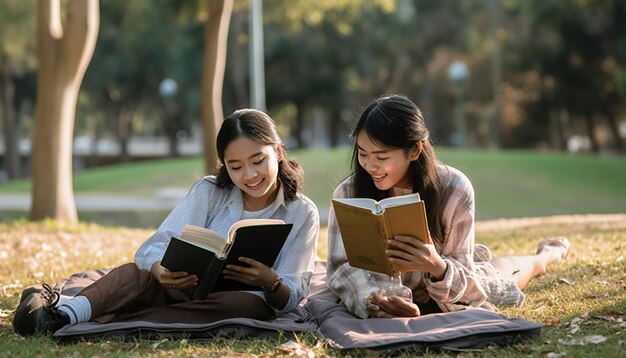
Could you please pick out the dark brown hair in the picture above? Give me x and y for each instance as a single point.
(259, 127)
(396, 122)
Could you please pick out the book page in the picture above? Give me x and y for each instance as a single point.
(400, 200)
(364, 203)
(250, 222)
(204, 238)
(378, 207)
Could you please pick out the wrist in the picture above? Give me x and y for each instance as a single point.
(440, 271)
(274, 286)
(155, 268)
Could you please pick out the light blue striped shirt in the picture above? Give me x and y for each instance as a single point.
(216, 208)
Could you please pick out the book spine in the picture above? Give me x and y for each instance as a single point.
(210, 276)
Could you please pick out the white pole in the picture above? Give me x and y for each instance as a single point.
(257, 75)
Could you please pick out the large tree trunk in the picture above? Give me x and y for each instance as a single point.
(11, 151)
(62, 61)
(214, 63)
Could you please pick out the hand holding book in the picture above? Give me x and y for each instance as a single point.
(408, 254)
(178, 279)
(368, 227)
(204, 253)
(252, 272)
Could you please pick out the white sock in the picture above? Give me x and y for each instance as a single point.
(78, 309)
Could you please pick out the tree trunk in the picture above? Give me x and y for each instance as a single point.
(171, 113)
(11, 151)
(213, 66)
(297, 128)
(557, 132)
(610, 117)
(334, 126)
(237, 65)
(124, 117)
(591, 126)
(62, 60)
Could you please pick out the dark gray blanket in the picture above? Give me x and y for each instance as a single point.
(323, 315)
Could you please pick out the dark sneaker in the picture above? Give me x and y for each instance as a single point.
(37, 313)
(31, 289)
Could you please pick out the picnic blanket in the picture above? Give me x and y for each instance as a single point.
(323, 315)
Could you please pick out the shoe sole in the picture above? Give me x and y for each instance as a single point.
(21, 325)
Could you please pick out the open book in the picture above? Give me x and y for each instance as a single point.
(204, 252)
(366, 225)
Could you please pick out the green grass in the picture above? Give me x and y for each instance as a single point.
(507, 183)
(522, 183)
(593, 305)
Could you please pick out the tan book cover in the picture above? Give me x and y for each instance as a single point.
(366, 225)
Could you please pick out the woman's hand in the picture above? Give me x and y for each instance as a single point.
(379, 306)
(256, 275)
(408, 254)
(179, 280)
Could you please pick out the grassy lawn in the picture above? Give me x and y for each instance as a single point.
(507, 183)
(580, 300)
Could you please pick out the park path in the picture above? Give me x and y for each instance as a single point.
(164, 200)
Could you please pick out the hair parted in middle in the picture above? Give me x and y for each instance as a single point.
(258, 126)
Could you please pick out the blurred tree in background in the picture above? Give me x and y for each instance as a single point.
(542, 73)
(17, 63)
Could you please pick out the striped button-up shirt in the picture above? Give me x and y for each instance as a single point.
(215, 208)
(461, 286)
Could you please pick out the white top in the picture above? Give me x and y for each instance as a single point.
(215, 208)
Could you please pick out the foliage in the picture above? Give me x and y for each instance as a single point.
(560, 71)
(139, 46)
(580, 298)
(17, 30)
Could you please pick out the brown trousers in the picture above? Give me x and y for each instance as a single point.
(128, 293)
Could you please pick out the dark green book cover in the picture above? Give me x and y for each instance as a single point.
(259, 242)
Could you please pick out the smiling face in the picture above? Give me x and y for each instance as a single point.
(253, 168)
(388, 167)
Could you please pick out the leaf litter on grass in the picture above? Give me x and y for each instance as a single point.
(590, 306)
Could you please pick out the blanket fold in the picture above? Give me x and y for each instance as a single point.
(324, 316)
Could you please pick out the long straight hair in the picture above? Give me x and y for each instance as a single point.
(396, 122)
(259, 127)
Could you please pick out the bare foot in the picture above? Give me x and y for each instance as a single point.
(555, 248)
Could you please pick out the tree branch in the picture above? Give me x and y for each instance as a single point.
(49, 28)
(82, 24)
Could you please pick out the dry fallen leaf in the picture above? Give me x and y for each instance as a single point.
(292, 347)
(540, 308)
(157, 344)
(583, 341)
(556, 354)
